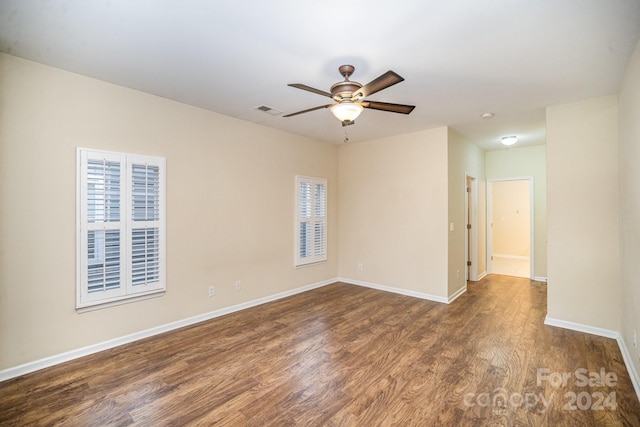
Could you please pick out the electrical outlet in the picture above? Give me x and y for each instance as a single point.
(360, 267)
(212, 291)
(635, 339)
(238, 285)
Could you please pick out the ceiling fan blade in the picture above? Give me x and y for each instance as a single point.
(310, 109)
(310, 89)
(385, 106)
(384, 81)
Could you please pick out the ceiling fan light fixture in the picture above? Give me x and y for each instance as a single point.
(346, 111)
(509, 140)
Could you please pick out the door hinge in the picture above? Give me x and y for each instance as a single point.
(469, 263)
(468, 226)
(468, 189)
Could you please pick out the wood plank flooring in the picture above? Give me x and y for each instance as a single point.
(344, 355)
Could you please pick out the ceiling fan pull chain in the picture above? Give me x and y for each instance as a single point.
(346, 136)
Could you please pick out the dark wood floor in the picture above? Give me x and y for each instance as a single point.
(344, 355)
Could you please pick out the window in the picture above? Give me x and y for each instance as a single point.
(120, 227)
(311, 220)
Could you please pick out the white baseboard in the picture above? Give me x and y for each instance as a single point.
(510, 256)
(456, 294)
(626, 355)
(536, 278)
(395, 290)
(581, 328)
(628, 361)
(46, 362)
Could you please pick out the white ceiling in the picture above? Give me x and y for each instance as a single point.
(460, 58)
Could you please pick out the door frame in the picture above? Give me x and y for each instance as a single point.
(531, 221)
(471, 238)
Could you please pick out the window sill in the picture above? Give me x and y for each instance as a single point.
(126, 300)
(310, 264)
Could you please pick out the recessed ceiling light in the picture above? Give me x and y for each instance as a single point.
(487, 115)
(509, 140)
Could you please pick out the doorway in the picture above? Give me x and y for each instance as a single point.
(510, 227)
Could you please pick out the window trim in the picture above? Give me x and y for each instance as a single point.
(126, 292)
(314, 259)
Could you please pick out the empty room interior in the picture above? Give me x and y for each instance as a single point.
(319, 213)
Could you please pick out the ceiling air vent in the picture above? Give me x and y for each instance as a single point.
(269, 110)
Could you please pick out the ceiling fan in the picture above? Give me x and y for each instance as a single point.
(349, 96)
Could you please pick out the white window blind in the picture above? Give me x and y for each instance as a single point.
(121, 227)
(145, 231)
(103, 235)
(311, 220)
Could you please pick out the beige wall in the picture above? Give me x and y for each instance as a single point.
(582, 195)
(511, 218)
(464, 158)
(521, 162)
(629, 162)
(393, 212)
(230, 206)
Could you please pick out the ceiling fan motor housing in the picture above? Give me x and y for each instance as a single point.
(343, 90)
